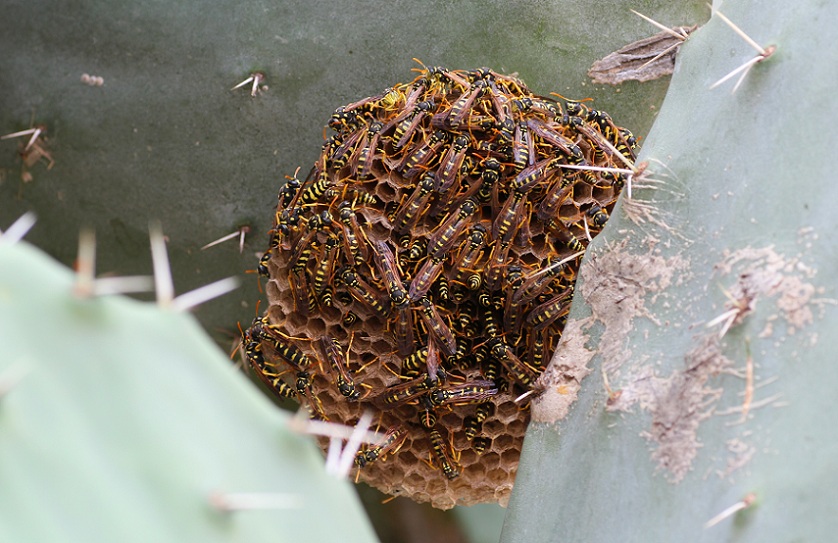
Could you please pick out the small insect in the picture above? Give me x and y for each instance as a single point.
(598, 216)
(523, 147)
(517, 369)
(386, 264)
(390, 444)
(455, 115)
(561, 233)
(407, 126)
(535, 283)
(444, 459)
(547, 133)
(355, 248)
(497, 262)
(440, 332)
(480, 444)
(506, 224)
(349, 319)
(512, 309)
(545, 106)
(425, 277)
(449, 231)
(598, 143)
(535, 174)
(489, 176)
(386, 100)
(473, 423)
(443, 289)
(274, 381)
(427, 413)
(446, 175)
(417, 159)
(288, 190)
(304, 303)
(325, 266)
(368, 147)
(477, 391)
(413, 363)
(469, 254)
(315, 187)
(406, 392)
(434, 76)
(302, 252)
(361, 291)
(537, 349)
(545, 314)
(410, 211)
(418, 247)
(555, 196)
(339, 363)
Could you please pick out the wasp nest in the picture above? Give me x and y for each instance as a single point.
(424, 268)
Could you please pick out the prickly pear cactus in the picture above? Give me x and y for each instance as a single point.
(122, 422)
(705, 314)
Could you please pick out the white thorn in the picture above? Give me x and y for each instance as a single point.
(242, 233)
(330, 429)
(205, 293)
(558, 264)
(18, 229)
(163, 285)
(220, 240)
(21, 133)
(33, 139)
(353, 445)
(744, 503)
(239, 501)
(86, 263)
(243, 83)
(333, 456)
(105, 286)
(596, 168)
(741, 33)
(745, 66)
(659, 25)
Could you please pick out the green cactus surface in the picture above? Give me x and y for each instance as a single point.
(119, 421)
(705, 314)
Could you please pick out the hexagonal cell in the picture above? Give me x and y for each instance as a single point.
(444, 188)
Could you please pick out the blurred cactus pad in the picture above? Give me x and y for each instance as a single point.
(123, 422)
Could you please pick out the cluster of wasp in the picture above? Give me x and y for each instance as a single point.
(425, 266)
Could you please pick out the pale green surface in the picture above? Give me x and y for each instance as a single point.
(165, 137)
(128, 417)
(751, 169)
(481, 523)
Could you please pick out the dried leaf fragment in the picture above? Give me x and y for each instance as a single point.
(643, 60)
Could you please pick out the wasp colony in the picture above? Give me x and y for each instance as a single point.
(424, 269)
